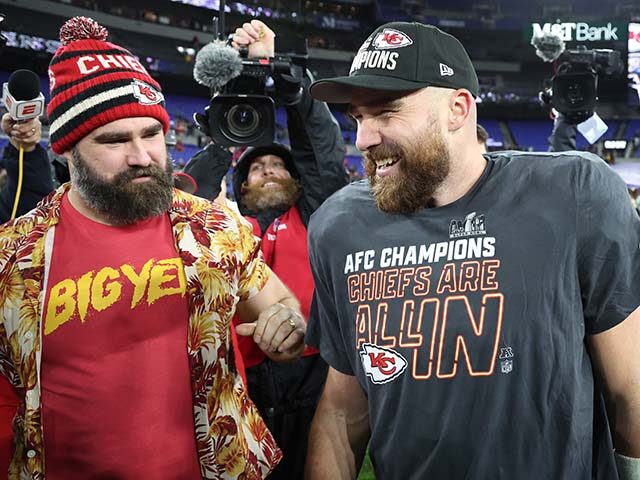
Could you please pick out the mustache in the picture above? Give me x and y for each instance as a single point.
(136, 172)
(384, 151)
(279, 181)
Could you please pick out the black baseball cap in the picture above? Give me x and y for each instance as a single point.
(403, 56)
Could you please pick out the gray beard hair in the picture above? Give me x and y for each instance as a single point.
(119, 200)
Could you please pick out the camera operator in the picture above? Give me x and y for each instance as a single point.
(277, 190)
(37, 181)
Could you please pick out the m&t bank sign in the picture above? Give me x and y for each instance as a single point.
(579, 31)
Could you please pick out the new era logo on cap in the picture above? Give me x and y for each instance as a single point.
(445, 70)
(391, 38)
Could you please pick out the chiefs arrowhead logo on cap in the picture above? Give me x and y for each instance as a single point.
(381, 364)
(391, 38)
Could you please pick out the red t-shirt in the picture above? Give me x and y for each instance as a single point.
(116, 390)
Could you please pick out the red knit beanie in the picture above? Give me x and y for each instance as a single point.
(94, 82)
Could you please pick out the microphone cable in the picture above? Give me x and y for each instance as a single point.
(16, 200)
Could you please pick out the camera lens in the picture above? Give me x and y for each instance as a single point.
(575, 94)
(243, 120)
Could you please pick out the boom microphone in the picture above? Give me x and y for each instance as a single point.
(21, 95)
(549, 46)
(216, 64)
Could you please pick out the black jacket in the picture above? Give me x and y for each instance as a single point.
(36, 181)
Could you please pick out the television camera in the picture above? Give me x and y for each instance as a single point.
(245, 91)
(574, 86)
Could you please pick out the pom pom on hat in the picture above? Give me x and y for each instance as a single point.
(82, 28)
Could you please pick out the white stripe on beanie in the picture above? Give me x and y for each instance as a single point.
(87, 104)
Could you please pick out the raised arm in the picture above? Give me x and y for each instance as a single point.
(340, 430)
(316, 142)
(317, 148)
(208, 168)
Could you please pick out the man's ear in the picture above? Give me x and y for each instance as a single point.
(460, 105)
(68, 157)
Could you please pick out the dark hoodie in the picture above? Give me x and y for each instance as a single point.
(37, 181)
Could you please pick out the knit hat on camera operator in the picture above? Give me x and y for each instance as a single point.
(403, 56)
(94, 82)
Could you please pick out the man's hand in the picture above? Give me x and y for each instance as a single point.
(257, 37)
(279, 332)
(27, 134)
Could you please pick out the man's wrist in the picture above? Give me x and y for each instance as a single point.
(628, 467)
(28, 148)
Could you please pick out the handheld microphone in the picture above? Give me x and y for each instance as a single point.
(21, 95)
(216, 64)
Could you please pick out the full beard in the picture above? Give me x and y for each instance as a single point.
(120, 200)
(257, 199)
(422, 167)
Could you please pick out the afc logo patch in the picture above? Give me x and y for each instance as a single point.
(381, 364)
(145, 93)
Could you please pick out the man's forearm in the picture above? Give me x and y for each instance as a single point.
(336, 446)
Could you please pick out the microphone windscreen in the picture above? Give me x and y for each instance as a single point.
(216, 63)
(24, 85)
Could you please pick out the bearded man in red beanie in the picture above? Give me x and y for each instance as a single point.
(117, 293)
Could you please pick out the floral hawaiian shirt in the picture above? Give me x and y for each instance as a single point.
(223, 265)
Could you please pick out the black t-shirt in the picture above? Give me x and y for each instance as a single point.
(465, 324)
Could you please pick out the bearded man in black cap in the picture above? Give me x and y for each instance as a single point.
(277, 189)
(477, 305)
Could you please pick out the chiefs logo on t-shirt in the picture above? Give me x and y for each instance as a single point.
(381, 364)
(391, 38)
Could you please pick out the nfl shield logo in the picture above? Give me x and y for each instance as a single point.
(506, 366)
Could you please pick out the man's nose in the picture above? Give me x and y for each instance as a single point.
(268, 171)
(368, 135)
(137, 154)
